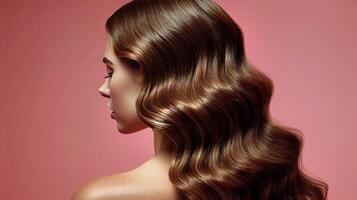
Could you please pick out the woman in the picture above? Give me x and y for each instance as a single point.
(179, 67)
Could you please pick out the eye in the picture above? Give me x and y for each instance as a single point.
(108, 76)
(110, 72)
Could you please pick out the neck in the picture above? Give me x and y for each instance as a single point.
(159, 145)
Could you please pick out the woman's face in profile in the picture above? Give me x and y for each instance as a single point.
(121, 87)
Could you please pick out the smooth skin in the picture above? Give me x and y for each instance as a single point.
(150, 180)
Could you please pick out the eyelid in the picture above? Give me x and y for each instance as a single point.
(110, 69)
(109, 72)
(109, 75)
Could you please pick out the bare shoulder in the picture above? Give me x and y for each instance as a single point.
(149, 181)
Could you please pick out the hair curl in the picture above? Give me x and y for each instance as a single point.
(209, 103)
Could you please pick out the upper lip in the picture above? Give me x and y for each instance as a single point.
(110, 108)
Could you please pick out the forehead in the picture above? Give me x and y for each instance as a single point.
(109, 52)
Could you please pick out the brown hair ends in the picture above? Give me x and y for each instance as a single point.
(209, 103)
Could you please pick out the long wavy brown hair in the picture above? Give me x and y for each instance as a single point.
(209, 103)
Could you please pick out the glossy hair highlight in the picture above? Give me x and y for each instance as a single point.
(209, 103)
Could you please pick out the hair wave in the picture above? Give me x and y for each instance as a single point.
(209, 103)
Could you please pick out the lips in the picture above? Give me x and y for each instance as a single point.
(112, 115)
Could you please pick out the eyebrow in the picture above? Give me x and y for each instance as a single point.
(107, 61)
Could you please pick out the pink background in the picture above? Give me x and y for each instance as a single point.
(56, 133)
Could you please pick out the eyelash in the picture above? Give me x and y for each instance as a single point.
(108, 76)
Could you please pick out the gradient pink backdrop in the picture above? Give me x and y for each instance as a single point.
(56, 132)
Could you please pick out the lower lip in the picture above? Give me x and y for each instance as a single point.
(112, 115)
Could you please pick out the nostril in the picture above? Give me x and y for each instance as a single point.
(103, 94)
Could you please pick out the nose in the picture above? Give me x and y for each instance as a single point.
(104, 91)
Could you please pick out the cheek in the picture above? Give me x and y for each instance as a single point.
(123, 92)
